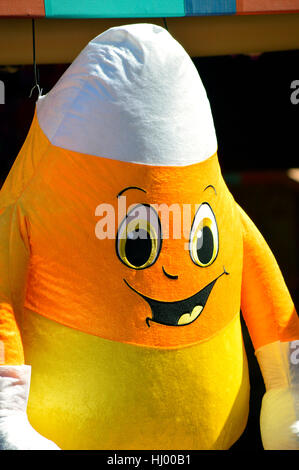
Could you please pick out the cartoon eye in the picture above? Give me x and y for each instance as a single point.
(204, 241)
(138, 240)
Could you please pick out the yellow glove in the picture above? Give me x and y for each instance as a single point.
(279, 363)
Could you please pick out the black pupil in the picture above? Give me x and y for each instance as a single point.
(138, 247)
(205, 246)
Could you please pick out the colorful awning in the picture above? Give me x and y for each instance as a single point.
(145, 9)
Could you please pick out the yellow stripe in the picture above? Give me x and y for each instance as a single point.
(91, 393)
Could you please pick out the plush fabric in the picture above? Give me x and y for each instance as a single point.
(126, 355)
(124, 98)
(266, 303)
(92, 393)
(66, 274)
(15, 430)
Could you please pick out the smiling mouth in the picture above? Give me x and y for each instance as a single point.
(181, 312)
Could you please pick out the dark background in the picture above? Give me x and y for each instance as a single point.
(258, 134)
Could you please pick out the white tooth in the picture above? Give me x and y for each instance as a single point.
(189, 317)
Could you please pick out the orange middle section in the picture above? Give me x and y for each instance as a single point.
(78, 280)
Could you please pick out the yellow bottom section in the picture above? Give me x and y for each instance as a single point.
(90, 393)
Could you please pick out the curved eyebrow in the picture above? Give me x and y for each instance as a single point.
(130, 187)
(211, 186)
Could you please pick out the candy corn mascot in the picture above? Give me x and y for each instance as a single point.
(125, 262)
